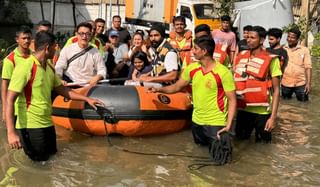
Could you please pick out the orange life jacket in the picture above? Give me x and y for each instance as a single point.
(185, 51)
(220, 53)
(253, 83)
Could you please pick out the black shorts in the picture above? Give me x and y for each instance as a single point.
(204, 134)
(247, 121)
(39, 144)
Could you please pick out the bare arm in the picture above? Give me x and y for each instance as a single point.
(170, 76)
(179, 85)
(4, 90)
(13, 138)
(95, 79)
(271, 122)
(232, 57)
(308, 83)
(232, 107)
(134, 74)
(69, 93)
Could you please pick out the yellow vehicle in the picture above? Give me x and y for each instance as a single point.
(142, 14)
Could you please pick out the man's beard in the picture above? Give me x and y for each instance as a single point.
(155, 44)
(272, 46)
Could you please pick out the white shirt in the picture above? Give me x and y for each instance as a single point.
(83, 68)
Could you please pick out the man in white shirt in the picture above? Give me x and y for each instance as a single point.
(79, 62)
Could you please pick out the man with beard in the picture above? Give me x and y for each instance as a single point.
(297, 74)
(19, 55)
(257, 80)
(164, 58)
(274, 37)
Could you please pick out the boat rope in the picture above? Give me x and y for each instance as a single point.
(108, 117)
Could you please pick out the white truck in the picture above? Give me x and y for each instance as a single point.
(142, 14)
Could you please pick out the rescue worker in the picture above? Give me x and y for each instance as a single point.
(220, 54)
(19, 55)
(181, 40)
(257, 76)
(45, 26)
(213, 92)
(31, 85)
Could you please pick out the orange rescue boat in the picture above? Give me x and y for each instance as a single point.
(128, 111)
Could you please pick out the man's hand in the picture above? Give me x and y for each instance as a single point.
(94, 103)
(64, 83)
(14, 141)
(152, 90)
(270, 125)
(307, 88)
(224, 129)
(93, 82)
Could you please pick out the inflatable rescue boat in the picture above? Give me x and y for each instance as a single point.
(128, 111)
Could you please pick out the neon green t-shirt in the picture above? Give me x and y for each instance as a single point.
(14, 58)
(275, 71)
(210, 105)
(36, 114)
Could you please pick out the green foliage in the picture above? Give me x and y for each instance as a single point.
(14, 12)
(315, 49)
(301, 24)
(226, 6)
(3, 47)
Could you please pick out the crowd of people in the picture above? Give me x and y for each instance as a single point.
(226, 79)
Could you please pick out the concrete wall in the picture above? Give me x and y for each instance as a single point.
(64, 15)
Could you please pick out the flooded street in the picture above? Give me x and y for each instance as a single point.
(291, 160)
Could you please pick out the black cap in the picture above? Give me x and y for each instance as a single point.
(159, 28)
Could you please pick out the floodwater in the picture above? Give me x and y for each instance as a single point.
(83, 160)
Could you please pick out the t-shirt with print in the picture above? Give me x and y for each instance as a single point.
(210, 104)
(34, 102)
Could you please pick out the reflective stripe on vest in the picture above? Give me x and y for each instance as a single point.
(220, 53)
(251, 77)
(185, 51)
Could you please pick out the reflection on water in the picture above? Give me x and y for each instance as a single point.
(291, 160)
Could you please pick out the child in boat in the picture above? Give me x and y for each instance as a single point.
(140, 65)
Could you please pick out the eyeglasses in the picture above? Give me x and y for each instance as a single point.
(88, 34)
